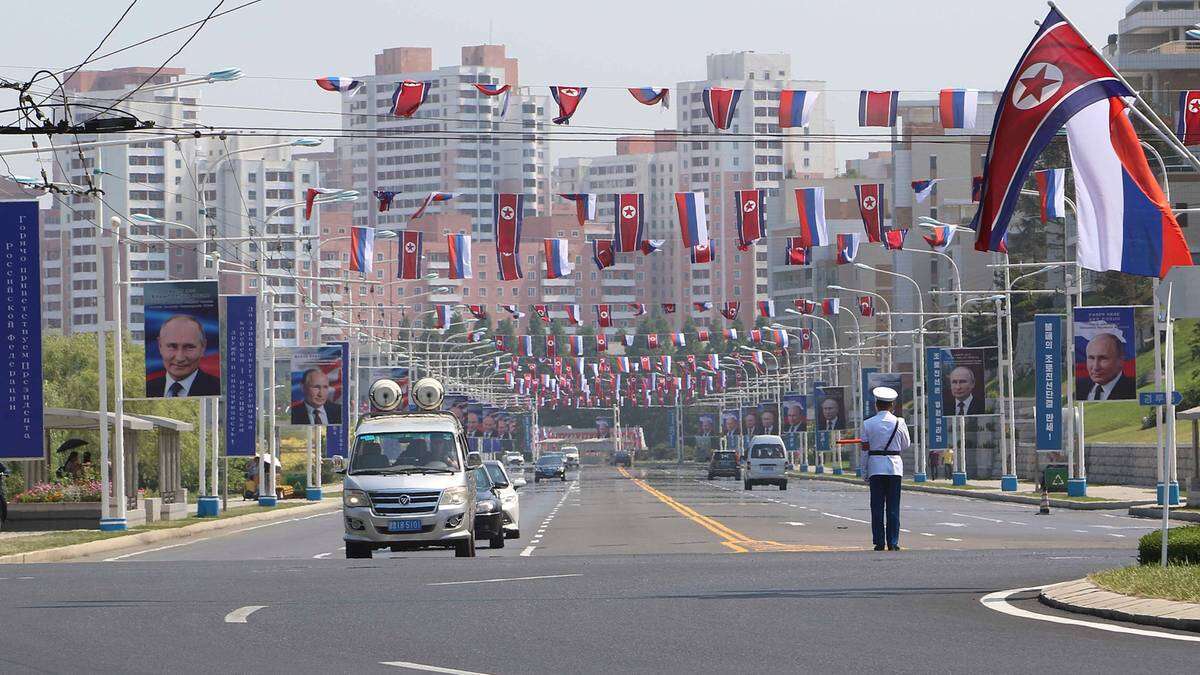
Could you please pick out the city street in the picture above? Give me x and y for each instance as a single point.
(645, 570)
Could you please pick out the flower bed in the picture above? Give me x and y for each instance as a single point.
(60, 493)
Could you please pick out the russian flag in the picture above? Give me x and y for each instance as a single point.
(585, 205)
(958, 108)
(766, 309)
(877, 108)
(431, 198)
(939, 237)
(847, 248)
(829, 306)
(652, 96)
(573, 314)
(558, 262)
(729, 333)
(362, 249)
(526, 342)
(923, 188)
(693, 223)
(622, 364)
(810, 211)
(443, 316)
(1052, 197)
(720, 105)
(781, 337)
(1124, 220)
(702, 306)
(795, 106)
(678, 339)
(577, 345)
(639, 308)
(458, 248)
(338, 83)
(652, 245)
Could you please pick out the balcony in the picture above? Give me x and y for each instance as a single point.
(1176, 55)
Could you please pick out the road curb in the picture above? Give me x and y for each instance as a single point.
(62, 553)
(989, 496)
(1084, 597)
(1156, 513)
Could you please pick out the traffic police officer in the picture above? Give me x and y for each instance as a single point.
(885, 436)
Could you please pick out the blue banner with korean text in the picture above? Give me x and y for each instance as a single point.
(337, 437)
(20, 332)
(1048, 352)
(240, 363)
(936, 361)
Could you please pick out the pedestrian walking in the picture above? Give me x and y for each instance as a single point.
(948, 463)
(885, 436)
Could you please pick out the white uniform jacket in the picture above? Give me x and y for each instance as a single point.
(876, 432)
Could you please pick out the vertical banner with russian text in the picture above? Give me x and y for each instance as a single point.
(1048, 341)
(240, 363)
(936, 361)
(21, 332)
(337, 437)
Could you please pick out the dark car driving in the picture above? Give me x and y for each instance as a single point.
(489, 516)
(724, 464)
(549, 466)
(622, 458)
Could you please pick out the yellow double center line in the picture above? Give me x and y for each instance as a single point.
(734, 540)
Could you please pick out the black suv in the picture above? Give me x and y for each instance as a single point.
(549, 466)
(724, 464)
(622, 458)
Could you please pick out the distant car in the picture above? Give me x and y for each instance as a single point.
(571, 456)
(510, 502)
(622, 458)
(766, 462)
(724, 464)
(549, 466)
(514, 460)
(489, 510)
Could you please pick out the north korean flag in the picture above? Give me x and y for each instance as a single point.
(604, 316)
(477, 311)
(542, 312)
(870, 207)
(668, 308)
(627, 228)
(568, 99)
(797, 252)
(551, 349)
(602, 253)
(1058, 75)
(721, 106)
(730, 310)
(805, 306)
(703, 253)
(750, 211)
(866, 305)
(601, 342)
(806, 339)
(501, 343)
(893, 239)
(644, 362)
(652, 341)
(409, 96)
(639, 308)
(507, 218)
(1187, 120)
(877, 108)
(703, 335)
(409, 265)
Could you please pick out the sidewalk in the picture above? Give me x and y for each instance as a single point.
(1099, 496)
(1084, 597)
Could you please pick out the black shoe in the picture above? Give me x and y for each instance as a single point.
(895, 548)
(878, 548)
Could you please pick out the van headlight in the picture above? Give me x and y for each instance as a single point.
(485, 506)
(454, 496)
(355, 498)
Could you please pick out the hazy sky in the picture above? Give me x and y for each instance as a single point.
(912, 45)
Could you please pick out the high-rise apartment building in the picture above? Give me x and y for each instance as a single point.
(440, 148)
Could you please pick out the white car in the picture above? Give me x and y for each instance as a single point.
(766, 462)
(510, 501)
(570, 456)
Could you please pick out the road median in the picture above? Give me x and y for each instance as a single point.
(983, 493)
(1085, 597)
(140, 537)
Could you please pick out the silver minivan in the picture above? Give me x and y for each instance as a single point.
(766, 462)
(407, 480)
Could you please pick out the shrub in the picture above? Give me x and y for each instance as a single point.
(1183, 546)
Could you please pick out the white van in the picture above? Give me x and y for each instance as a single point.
(570, 456)
(766, 462)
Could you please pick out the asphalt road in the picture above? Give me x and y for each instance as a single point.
(649, 570)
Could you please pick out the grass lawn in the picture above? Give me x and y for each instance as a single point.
(38, 542)
(1174, 582)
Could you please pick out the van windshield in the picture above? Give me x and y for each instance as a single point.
(405, 452)
(767, 452)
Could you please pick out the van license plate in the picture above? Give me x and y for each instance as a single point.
(411, 525)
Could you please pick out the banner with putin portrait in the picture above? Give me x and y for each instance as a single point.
(831, 408)
(316, 386)
(1105, 354)
(966, 381)
(183, 345)
(794, 407)
(901, 383)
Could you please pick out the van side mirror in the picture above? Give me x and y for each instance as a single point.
(474, 460)
(339, 464)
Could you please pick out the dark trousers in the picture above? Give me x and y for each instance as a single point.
(885, 503)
